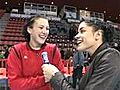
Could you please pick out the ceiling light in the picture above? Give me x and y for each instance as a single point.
(52, 3)
(86, 8)
(104, 11)
(116, 18)
(6, 2)
(19, 4)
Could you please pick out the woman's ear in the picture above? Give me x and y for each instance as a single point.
(28, 30)
(98, 34)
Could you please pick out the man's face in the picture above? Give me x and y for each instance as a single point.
(86, 38)
(39, 32)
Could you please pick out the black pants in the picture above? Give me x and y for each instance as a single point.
(77, 74)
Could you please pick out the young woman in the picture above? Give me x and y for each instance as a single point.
(104, 68)
(25, 59)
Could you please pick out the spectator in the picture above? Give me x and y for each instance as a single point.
(78, 59)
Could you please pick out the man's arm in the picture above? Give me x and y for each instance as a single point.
(56, 78)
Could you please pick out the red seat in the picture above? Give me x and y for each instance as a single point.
(3, 71)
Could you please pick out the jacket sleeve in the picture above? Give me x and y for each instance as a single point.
(106, 72)
(59, 82)
(16, 79)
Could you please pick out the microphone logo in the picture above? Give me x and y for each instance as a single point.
(45, 57)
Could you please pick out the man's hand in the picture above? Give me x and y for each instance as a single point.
(49, 70)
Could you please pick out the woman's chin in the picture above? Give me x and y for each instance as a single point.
(80, 48)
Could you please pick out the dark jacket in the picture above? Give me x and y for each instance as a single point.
(103, 73)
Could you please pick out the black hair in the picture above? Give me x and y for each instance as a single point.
(29, 24)
(107, 29)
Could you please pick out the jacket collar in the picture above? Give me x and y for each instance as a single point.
(43, 46)
(99, 49)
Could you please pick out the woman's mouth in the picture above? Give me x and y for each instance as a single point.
(77, 42)
(42, 36)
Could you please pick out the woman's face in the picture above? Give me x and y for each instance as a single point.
(86, 38)
(39, 32)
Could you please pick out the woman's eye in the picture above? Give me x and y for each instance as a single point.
(41, 27)
(82, 31)
(47, 28)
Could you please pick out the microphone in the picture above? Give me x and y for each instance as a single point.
(45, 57)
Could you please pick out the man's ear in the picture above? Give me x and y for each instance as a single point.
(28, 30)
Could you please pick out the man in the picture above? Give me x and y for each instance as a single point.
(25, 59)
(78, 60)
(104, 68)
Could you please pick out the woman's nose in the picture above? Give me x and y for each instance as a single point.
(77, 36)
(44, 30)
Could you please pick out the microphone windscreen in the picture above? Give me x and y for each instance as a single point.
(45, 57)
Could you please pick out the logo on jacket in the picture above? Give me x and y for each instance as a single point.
(25, 57)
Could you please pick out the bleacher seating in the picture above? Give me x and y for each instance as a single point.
(12, 33)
